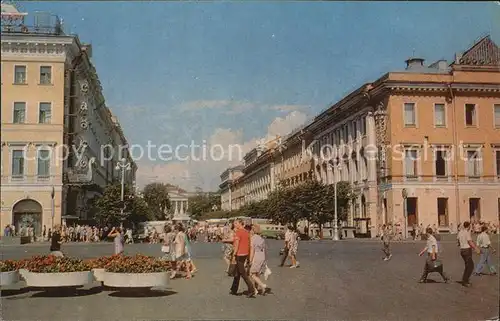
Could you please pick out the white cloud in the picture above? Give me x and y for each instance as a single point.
(288, 108)
(205, 173)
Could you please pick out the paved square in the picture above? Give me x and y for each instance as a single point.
(346, 280)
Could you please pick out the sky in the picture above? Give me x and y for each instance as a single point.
(230, 73)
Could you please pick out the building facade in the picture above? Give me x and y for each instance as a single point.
(228, 177)
(54, 124)
(419, 146)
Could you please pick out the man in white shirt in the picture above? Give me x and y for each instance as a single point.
(431, 263)
(484, 244)
(464, 240)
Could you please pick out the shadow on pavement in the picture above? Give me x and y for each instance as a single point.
(140, 293)
(11, 292)
(64, 292)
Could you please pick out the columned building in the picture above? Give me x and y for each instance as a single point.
(54, 123)
(179, 204)
(419, 146)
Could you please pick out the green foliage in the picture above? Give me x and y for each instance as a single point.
(311, 200)
(201, 204)
(107, 208)
(156, 197)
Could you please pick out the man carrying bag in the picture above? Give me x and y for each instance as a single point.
(432, 264)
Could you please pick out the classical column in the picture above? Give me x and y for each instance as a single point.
(371, 149)
(176, 208)
(182, 207)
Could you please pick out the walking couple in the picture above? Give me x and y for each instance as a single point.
(249, 251)
(177, 249)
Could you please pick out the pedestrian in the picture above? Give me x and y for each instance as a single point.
(241, 247)
(181, 256)
(432, 264)
(228, 239)
(168, 242)
(258, 260)
(286, 248)
(293, 246)
(56, 241)
(386, 240)
(466, 245)
(119, 240)
(484, 243)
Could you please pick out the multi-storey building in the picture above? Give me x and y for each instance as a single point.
(419, 146)
(228, 177)
(54, 124)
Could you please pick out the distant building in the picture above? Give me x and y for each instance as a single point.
(54, 124)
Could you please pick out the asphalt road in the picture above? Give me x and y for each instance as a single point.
(346, 280)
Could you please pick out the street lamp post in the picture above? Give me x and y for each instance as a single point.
(404, 193)
(52, 195)
(123, 166)
(335, 212)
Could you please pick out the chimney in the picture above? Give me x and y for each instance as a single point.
(414, 63)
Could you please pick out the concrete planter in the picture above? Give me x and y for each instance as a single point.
(58, 279)
(98, 274)
(9, 278)
(136, 280)
(22, 272)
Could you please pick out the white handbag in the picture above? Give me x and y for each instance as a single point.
(267, 273)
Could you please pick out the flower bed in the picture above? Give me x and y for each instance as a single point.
(136, 271)
(98, 265)
(9, 273)
(45, 271)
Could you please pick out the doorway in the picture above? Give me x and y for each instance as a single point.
(412, 210)
(475, 209)
(27, 213)
(442, 207)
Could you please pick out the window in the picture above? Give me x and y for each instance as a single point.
(473, 169)
(442, 208)
(355, 129)
(497, 115)
(439, 115)
(45, 75)
(19, 113)
(475, 208)
(17, 163)
(45, 114)
(409, 114)
(470, 115)
(440, 163)
(43, 163)
(411, 164)
(497, 162)
(346, 133)
(19, 74)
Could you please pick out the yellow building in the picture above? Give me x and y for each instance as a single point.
(421, 143)
(55, 125)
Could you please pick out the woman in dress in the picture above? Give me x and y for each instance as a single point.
(119, 240)
(189, 259)
(293, 247)
(258, 260)
(228, 239)
(168, 244)
(180, 252)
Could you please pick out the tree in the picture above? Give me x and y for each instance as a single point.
(203, 203)
(107, 208)
(156, 197)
